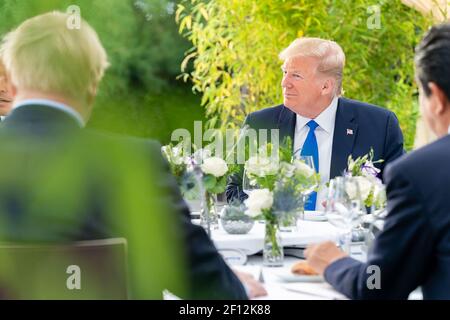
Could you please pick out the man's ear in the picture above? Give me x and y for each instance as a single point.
(328, 86)
(438, 98)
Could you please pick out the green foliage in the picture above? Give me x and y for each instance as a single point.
(286, 150)
(215, 185)
(139, 94)
(147, 114)
(236, 45)
(140, 37)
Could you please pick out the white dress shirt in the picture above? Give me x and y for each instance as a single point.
(53, 104)
(324, 136)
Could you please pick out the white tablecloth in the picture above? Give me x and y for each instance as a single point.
(307, 232)
(278, 289)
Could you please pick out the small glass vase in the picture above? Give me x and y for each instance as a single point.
(273, 254)
(208, 216)
(235, 221)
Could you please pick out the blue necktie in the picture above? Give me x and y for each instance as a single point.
(310, 148)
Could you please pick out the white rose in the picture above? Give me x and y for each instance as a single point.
(258, 200)
(364, 185)
(261, 166)
(215, 166)
(303, 168)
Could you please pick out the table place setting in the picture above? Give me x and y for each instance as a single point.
(279, 285)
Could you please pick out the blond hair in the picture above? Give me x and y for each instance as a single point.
(2, 68)
(329, 53)
(44, 54)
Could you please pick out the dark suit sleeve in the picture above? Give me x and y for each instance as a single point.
(211, 277)
(208, 275)
(402, 250)
(393, 144)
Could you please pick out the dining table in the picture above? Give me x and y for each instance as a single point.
(243, 252)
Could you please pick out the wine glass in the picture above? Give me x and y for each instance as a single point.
(247, 184)
(375, 220)
(308, 189)
(309, 161)
(343, 207)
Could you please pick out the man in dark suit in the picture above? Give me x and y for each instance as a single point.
(319, 122)
(65, 183)
(414, 247)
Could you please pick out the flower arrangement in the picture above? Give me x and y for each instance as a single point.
(367, 176)
(281, 181)
(213, 170)
(199, 175)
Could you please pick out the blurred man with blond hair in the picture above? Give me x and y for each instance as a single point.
(320, 122)
(65, 183)
(50, 62)
(5, 97)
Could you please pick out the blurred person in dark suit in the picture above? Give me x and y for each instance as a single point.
(66, 183)
(413, 250)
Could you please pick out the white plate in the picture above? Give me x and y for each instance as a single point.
(287, 276)
(315, 216)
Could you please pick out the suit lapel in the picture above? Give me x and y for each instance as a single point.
(286, 124)
(345, 131)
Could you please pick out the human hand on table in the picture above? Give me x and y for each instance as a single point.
(320, 256)
(254, 288)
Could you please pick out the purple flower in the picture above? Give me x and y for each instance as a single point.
(369, 169)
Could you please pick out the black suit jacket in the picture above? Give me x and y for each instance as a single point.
(44, 149)
(371, 127)
(414, 247)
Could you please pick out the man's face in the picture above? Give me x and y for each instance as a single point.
(5, 97)
(302, 85)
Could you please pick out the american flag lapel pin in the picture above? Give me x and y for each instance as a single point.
(349, 131)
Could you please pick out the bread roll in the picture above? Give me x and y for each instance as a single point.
(303, 268)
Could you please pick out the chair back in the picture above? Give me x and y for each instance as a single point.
(83, 270)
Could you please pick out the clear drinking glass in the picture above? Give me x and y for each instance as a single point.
(247, 185)
(309, 161)
(343, 207)
(308, 189)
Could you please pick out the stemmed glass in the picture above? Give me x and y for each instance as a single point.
(308, 189)
(376, 218)
(247, 185)
(343, 207)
